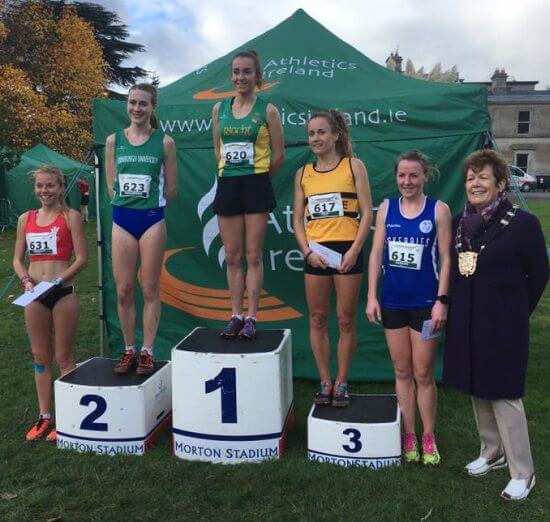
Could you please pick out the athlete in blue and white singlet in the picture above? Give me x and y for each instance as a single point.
(412, 244)
(410, 276)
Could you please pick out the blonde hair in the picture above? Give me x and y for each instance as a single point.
(52, 170)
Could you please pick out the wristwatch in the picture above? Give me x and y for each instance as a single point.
(58, 281)
(443, 299)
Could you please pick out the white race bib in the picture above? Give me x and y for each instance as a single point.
(134, 185)
(238, 153)
(42, 243)
(325, 206)
(405, 255)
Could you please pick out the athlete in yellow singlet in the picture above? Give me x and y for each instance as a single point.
(333, 196)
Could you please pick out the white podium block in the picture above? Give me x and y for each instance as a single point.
(366, 434)
(232, 399)
(99, 411)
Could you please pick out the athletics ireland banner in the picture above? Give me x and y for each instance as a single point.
(306, 69)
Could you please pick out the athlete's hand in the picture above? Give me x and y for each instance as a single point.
(28, 286)
(317, 261)
(439, 316)
(373, 311)
(348, 261)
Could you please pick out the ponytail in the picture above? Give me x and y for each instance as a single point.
(343, 144)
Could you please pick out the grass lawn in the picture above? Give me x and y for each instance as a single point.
(39, 482)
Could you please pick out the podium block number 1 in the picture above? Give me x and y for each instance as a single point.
(226, 380)
(89, 422)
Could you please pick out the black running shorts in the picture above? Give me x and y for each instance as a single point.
(414, 318)
(249, 194)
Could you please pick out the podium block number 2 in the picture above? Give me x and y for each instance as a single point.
(89, 422)
(226, 380)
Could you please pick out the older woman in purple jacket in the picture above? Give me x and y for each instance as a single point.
(499, 269)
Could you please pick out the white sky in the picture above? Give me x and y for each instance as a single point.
(476, 35)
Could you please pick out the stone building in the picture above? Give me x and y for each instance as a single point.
(520, 118)
(521, 122)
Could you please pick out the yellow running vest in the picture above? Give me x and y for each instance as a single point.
(331, 206)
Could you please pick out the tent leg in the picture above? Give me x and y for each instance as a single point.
(99, 260)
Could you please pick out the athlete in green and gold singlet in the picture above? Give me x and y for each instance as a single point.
(249, 148)
(244, 142)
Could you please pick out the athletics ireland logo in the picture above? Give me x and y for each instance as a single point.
(214, 94)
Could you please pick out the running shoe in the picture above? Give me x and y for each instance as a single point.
(341, 398)
(39, 429)
(324, 396)
(52, 436)
(248, 331)
(145, 364)
(430, 455)
(410, 448)
(232, 329)
(126, 362)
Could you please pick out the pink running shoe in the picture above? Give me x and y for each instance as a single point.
(430, 455)
(410, 448)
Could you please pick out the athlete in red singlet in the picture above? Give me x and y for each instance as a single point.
(51, 235)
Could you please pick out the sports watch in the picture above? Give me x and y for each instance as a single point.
(443, 299)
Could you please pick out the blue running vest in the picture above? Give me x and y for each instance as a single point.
(410, 271)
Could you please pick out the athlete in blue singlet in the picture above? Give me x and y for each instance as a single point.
(412, 243)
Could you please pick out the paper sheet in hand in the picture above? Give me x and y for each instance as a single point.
(333, 258)
(28, 297)
(426, 327)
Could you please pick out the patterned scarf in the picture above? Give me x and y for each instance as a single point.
(472, 221)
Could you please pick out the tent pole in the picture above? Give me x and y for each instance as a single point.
(99, 259)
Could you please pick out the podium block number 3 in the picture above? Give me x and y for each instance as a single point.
(89, 422)
(226, 380)
(355, 443)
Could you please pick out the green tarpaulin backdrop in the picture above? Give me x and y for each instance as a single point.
(306, 68)
(19, 183)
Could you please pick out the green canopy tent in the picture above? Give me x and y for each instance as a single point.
(19, 183)
(306, 69)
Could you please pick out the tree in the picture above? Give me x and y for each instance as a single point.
(111, 34)
(50, 70)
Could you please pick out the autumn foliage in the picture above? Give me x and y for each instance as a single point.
(50, 71)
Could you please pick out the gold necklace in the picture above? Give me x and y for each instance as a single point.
(467, 259)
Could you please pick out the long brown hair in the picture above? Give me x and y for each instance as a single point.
(338, 125)
(255, 57)
(152, 90)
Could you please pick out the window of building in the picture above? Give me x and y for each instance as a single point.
(524, 118)
(522, 160)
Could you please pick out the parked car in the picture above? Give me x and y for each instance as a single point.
(519, 179)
